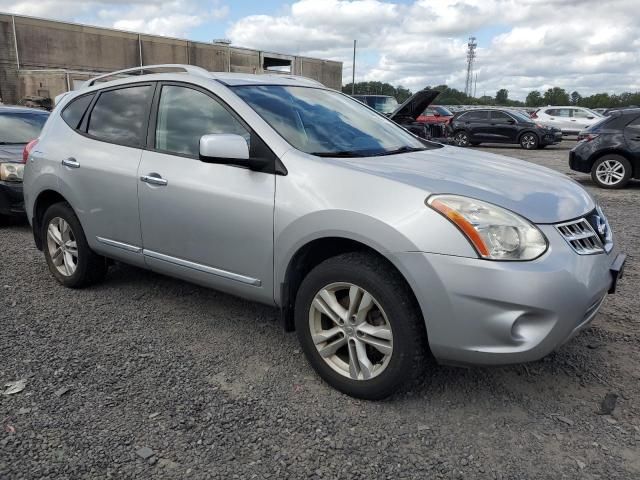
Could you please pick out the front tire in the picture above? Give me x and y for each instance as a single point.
(66, 250)
(529, 141)
(461, 138)
(611, 171)
(360, 327)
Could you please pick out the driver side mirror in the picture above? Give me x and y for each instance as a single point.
(229, 149)
(590, 118)
(436, 114)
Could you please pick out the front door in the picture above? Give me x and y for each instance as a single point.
(503, 127)
(208, 223)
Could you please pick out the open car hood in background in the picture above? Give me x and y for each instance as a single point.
(414, 105)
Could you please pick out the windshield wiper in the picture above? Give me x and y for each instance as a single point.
(11, 143)
(403, 149)
(340, 154)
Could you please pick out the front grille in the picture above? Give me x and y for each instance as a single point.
(581, 237)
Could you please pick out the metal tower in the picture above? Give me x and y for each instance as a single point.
(471, 56)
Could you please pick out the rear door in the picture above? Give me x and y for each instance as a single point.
(205, 222)
(503, 127)
(99, 168)
(632, 137)
(477, 125)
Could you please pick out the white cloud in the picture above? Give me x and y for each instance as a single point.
(588, 45)
(173, 18)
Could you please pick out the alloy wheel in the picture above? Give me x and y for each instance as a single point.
(62, 246)
(610, 172)
(528, 141)
(461, 139)
(351, 331)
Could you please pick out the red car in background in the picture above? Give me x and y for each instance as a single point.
(435, 114)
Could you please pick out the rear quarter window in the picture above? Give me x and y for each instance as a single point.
(74, 111)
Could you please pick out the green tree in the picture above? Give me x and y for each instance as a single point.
(575, 98)
(502, 96)
(556, 96)
(534, 99)
(379, 88)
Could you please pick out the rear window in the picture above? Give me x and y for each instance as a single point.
(73, 113)
(120, 116)
(18, 128)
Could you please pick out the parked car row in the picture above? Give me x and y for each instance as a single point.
(376, 245)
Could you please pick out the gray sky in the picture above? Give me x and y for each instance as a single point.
(585, 45)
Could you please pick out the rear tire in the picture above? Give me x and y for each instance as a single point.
(389, 315)
(66, 250)
(611, 171)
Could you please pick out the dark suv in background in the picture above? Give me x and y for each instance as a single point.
(473, 127)
(610, 149)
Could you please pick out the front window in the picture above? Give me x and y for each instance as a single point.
(326, 123)
(19, 128)
(520, 116)
(185, 115)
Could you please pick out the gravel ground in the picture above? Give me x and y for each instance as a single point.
(146, 376)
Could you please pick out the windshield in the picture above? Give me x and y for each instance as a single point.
(595, 114)
(326, 123)
(17, 128)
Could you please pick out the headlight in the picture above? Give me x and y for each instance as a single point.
(496, 233)
(11, 172)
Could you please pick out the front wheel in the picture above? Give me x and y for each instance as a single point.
(359, 326)
(529, 141)
(611, 171)
(66, 250)
(461, 139)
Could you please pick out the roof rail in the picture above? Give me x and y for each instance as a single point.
(201, 72)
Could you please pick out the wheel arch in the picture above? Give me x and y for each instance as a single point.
(635, 168)
(43, 201)
(312, 254)
(524, 132)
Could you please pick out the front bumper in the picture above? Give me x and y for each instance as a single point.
(551, 138)
(11, 198)
(489, 313)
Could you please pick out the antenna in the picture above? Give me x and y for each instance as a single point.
(471, 56)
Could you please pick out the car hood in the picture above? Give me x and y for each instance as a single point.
(413, 107)
(537, 193)
(11, 153)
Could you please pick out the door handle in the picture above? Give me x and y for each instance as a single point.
(70, 162)
(154, 179)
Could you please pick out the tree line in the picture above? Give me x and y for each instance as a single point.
(536, 98)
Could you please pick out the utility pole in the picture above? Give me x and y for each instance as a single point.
(353, 70)
(471, 56)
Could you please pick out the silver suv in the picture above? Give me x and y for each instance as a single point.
(378, 247)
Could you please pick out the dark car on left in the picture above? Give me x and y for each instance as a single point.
(473, 127)
(18, 127)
